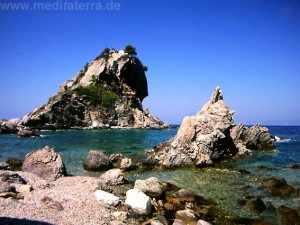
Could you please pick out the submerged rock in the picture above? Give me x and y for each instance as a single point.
(279, 187)
(256, 205)
(107, 92)
(209, 136)
(288, 216)
(45, 163)
(293, 166)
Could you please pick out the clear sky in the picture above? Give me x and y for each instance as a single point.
(251, 48)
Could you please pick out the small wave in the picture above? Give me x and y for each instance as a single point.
(42, 135)
(282, 140)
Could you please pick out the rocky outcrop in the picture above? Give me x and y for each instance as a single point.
(107, 92)
(9, 126)
(26, 133)
(45, 163)
(210, 136)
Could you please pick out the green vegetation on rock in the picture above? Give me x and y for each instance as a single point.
(98, 96)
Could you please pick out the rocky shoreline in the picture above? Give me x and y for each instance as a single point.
(42, 193)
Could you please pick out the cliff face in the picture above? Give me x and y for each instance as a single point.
(108, 92)
(210, 136)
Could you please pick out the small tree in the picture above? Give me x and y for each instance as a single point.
(131, 50)
(105, 52)
(86, 66)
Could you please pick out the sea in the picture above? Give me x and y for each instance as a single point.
(226, 183)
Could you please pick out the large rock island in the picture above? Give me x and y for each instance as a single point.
(107, 92)
(210, 136)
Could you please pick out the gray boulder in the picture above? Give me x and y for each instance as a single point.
(113, 177)
(45, 163)
(97, 161)
(151, 187)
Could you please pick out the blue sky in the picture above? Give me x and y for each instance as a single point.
(251, 48)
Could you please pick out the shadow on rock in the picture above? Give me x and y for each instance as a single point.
(14, 221)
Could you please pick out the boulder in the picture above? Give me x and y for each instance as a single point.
(97, 161)
(107, 198)
(113, 177)
(209, 136)
(187, 216)
(126, 164)
(137, 201)
(151, 187)
(45, 163)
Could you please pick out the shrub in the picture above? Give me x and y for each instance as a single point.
(104, 54)
(131, 50)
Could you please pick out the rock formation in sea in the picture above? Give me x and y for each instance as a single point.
(107, 92)
(210, 136)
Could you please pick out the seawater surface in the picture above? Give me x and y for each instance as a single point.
(224, 183)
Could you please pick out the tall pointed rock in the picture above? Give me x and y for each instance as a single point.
(206, 137)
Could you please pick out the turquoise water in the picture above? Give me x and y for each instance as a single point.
(224, 183)
(75, 145)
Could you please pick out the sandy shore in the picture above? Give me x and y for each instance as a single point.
(66, 201)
